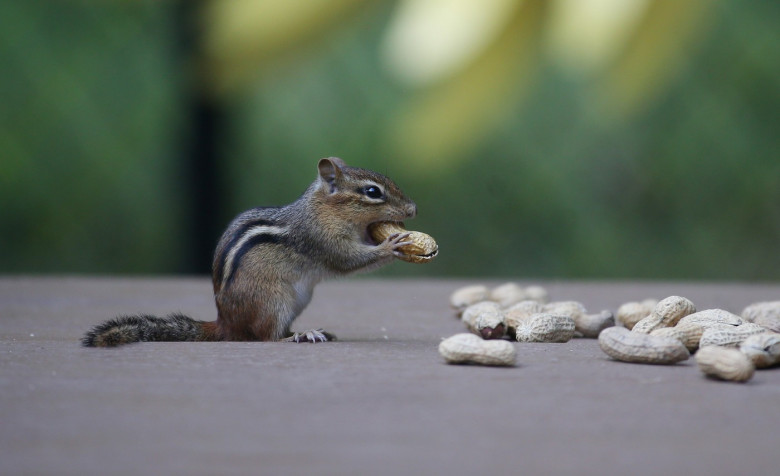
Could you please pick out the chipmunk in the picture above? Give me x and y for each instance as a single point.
(270, 258)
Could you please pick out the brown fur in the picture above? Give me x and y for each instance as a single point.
(269, 259)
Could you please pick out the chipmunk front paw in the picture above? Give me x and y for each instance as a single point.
(397, 241)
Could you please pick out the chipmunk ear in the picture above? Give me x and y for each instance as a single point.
(330, 172)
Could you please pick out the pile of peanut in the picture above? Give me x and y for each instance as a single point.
(511, 311)
(727, 346)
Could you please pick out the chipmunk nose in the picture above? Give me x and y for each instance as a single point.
(411, 210)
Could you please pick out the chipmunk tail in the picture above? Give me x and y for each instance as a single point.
(145, 328)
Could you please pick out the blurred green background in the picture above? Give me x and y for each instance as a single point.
(554, 139)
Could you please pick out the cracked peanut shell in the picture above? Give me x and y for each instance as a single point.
(486, 319)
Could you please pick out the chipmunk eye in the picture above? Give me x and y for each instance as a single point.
(372, 191)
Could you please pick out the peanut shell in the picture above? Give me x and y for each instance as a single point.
(422, 249)
(666, 313)
(629, 346)
(508, 294)
(688, 333)
(468, 295)
(710, 317)
(724, 363)
(729, 336)
(545, 328)
(486, 319)
(632, 312)
(762, 349)
(765, 314)
(536, 293)
(470, 349)
(517, 313)
(591, 325)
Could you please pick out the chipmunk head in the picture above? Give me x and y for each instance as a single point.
(364, 196)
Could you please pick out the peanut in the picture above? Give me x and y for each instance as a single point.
(466, 296)
(724, 363)
(709, 317)
(632, 312)
(486, 319)
(585, 325)
(665, 314)
(729, 336)
(508, 294)
(765, 314)
(470, 349)
(762, 349)
(545, 328)
(519, 312)
(591, 325)
(536, 293)
(572, 309)
(629, 346)
(511, 293)
(422, 249)
(687, 333)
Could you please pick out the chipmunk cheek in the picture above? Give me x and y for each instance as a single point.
(368, 238)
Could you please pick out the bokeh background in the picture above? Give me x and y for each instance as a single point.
(602, 139)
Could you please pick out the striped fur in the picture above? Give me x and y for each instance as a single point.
(251, 238)
(221, 259)
(146, 328)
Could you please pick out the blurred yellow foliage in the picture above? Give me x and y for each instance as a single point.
(440, 121)
(468, 63)
(242, 37)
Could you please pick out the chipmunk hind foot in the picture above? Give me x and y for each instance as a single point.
(313, 336)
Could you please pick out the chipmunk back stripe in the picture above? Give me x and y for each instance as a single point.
(251, 238)
(220, 263)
